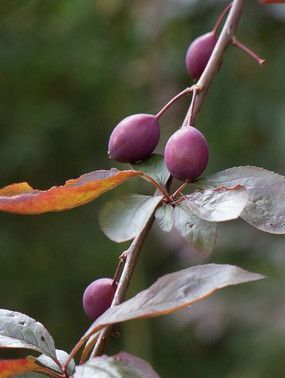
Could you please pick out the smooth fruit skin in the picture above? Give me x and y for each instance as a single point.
(186, 154)
(134, 138)
(198, 54)
(97, 297)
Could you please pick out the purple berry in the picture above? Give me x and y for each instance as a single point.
(186, 154)
(98, 296)
(199, 53)
(134, 138)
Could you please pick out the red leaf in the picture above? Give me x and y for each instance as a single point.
(23, 199)
(9, 368)
(272, 1)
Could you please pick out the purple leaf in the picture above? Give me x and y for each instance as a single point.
(174, 292)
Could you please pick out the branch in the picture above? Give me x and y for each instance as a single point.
(201, 90)
(132, 254)
(215, 61)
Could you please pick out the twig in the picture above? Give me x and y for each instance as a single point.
(203, 84)
(215, 61)
(119, 269)
(132, 255)
(247, 50)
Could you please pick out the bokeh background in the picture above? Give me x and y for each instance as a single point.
(69, 71)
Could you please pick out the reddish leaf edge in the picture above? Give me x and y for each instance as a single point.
(11, 367)
(272, 2)
(21, 198)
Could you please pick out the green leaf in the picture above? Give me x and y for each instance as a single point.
(122, 365)
(174, 292)
(265, 209)
(164, 217)
(218, 204)
(154, 167)
(200, 233)
(61, 356)
(123, 218)
(20, 331)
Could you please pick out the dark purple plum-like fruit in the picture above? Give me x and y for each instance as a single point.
(134, 138)
(186, 154)
(98, 296)
(199, 53)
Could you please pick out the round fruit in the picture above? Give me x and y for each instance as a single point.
(134, 138)
(199, 53)
(186, 154)
(98, 296)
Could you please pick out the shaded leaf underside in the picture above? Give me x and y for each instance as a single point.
(164, 217)
(200, 233)
(218, 204)
(123, 218)
(265, 208)
(61, 356)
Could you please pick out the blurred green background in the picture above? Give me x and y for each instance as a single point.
(69, 71)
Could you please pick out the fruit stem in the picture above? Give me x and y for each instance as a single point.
(179, 190)
(158, 186)
(247, 50)
(196, 89)
(220, 19)
(172, 101)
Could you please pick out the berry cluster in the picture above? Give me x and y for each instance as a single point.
(135, 138)
(186, 152)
